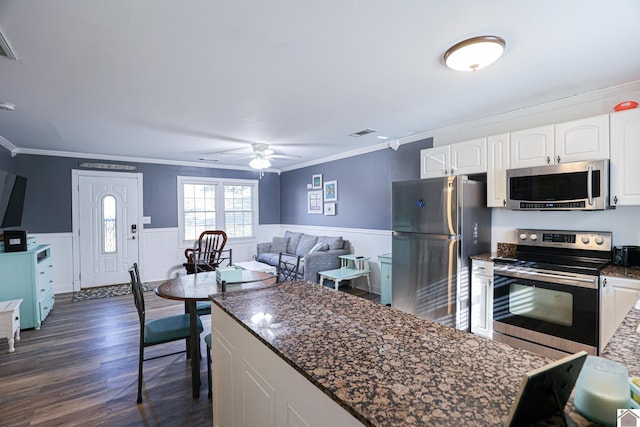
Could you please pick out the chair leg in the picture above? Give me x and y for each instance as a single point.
(140, 362)
(209, 371)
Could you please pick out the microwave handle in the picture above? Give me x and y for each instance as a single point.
(590, 184)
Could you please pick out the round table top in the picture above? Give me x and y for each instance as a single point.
(198, 287)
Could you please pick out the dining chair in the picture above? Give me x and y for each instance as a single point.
(287, 270)
(209, 252)
(157, 331)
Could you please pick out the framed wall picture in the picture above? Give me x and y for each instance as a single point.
(331, 191)
(314, 202)
(316, 182)
(329, 208)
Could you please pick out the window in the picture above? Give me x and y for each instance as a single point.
(109, 237)
(216, 204)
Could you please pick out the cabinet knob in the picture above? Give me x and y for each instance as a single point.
(548, 160)
(558, 159)
(615, 200)
(17, 317)
(604, 283)
(42, 272)
(504, 202)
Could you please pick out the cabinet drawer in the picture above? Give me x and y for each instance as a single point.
(482, 268)
(44, 279)
(46, 304)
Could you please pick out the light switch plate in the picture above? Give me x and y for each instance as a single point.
(146, 220)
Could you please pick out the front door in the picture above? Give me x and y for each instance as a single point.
(108, 229)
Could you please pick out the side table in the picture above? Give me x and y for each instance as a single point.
(10, 321)
(352, 267)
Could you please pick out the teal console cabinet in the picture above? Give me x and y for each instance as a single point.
(385, 279)
(27, 276)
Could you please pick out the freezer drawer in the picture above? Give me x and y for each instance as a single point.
(425, 277)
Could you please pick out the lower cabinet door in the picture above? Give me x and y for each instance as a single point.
(253, 386)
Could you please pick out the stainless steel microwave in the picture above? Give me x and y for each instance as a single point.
(568, 186)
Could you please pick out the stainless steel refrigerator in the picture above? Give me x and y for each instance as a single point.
(438, 223)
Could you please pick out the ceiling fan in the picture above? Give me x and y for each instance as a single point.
(260, 156)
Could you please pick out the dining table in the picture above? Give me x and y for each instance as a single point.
(191, 288)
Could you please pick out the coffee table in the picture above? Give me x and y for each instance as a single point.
(256, 266)
(352, 267)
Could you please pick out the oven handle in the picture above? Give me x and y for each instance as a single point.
(581, 282)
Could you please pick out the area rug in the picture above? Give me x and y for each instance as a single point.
(106, 292)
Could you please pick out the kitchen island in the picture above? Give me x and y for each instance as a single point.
(380, 365)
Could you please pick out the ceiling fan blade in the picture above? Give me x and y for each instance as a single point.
(283, 156)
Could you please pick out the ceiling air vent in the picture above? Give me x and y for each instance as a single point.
(363, 132)
(5, 48)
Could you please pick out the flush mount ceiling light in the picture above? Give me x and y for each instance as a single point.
(474, 53)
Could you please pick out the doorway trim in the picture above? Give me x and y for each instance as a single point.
(75, 216)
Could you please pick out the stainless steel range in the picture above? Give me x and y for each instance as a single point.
(546, 299)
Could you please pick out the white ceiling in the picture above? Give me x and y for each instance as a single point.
(181, 79)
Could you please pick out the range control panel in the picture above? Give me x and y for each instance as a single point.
(587, 240)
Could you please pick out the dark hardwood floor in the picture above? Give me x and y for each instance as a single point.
(80, 368)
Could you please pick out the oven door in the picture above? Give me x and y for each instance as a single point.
(554, 304)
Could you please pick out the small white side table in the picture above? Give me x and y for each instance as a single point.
(352, 267)
(256, 266)
(10, 321)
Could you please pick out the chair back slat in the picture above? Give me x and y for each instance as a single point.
(287, 271)
(136, 290)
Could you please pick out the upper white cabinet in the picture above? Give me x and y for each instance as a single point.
(574, 141)
(497, 165)
(585, 139)
(434, 162)
(625, 154)
(462, 158)
(531, 147)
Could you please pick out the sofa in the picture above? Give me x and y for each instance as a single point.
(318, 253)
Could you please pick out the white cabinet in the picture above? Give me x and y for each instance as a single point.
(585, 139)
(434, 162)
(531, 147)
(462, 158)
(625, 155)
(482, 298)
(497, 165)
(574, 141)
(617, 296)
(252, 386)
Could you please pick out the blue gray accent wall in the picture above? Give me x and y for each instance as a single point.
(364, 187)
(5, 160)
(48, 200)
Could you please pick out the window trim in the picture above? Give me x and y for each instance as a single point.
(220, 212)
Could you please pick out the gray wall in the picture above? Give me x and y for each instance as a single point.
(5, 160)
(364, 187)
(48, 200)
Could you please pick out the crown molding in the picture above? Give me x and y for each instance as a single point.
(78, 155)
(621, 90)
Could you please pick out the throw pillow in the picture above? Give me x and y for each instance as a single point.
(333, 242)
(319, 247)
(306, 243)
(294, 240)
(279, 244)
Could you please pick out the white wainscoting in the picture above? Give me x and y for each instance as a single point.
(367, 243)
(161, 257)
(61, 259)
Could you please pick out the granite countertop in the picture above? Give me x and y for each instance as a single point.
(384, 366)
(620, 271)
